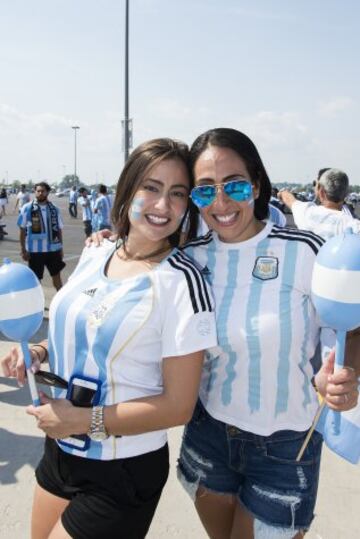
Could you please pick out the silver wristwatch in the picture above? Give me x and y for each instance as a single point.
(97, 431)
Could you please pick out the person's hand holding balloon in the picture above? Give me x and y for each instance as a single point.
(13, 364)
(340, 388)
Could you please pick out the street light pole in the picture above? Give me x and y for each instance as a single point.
(75, 128)
(127, 120)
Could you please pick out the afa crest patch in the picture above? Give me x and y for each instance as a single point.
(266, 268)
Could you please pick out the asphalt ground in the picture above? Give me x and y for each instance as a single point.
(337, 509)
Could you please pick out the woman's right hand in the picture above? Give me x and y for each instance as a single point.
(96, 238)
(13, 364)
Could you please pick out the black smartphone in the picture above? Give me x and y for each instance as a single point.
(50, 379)
(83, 392)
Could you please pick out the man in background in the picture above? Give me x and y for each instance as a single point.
(73, 196)
(102, 208)
(85, 203)
(22, 198)
(326, 219)
(41, 227)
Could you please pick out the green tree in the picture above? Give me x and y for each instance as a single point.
(68, 181)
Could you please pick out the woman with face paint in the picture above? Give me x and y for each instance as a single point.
(257, 401)
(127, 333)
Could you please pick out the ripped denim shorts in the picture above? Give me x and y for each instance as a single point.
(260, 470)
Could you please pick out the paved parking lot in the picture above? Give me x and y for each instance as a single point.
(337, 511)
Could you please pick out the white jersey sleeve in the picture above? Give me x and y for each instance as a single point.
(188, 315)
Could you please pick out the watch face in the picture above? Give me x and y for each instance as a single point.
(98, 436)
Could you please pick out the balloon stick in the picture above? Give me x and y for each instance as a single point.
(30, 375)
(339, 362)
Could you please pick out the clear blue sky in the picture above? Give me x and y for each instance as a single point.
(284, 72)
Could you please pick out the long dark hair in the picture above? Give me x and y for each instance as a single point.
(143, 158)
(224, 137)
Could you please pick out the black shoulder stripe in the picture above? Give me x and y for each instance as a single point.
(300, 232)
(197, 288)
(200, 281)
(201, 240)
(189, 283)
(312, 246)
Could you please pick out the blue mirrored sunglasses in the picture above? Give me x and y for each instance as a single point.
(238, 190)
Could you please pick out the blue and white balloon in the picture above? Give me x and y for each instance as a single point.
(336, 296)
(21, 301)
(21, 310)
(336, 282)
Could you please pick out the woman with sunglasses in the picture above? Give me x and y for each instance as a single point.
(257, 400)
(127, 332)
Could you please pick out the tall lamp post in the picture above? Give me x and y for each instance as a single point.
(127, 123)
(75, 128)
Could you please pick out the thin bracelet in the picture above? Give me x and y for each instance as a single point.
(45, 350)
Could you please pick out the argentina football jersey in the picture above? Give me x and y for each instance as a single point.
(42, 223)
(118, 331)
(103, 207)
(86, 208)
(258, 378)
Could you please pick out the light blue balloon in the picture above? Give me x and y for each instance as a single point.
(21, 301)
(336, 282)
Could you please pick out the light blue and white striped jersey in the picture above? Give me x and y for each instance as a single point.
(323, 221)
(259, 376)
(85, 203)
(40, 242)
(118, 331)
(103, 207)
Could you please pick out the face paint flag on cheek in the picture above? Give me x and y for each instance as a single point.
(336, 296)
(21, 311)
(136, 208)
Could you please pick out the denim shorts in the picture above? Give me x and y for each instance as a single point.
(261, 471)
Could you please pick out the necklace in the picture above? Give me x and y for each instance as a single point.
(139, 258)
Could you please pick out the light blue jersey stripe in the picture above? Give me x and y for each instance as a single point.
(289, 265)
(223, 317)
(253, 336)
(304, 356)
(104, 340)
(107, 332)
(60, 321)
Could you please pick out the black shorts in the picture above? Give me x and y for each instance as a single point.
(52, 261)
(114, 499)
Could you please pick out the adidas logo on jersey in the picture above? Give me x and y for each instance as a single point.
(206, 271)
(90, 292)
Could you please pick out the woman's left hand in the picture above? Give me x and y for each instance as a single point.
(339, 389)
(58, 418)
